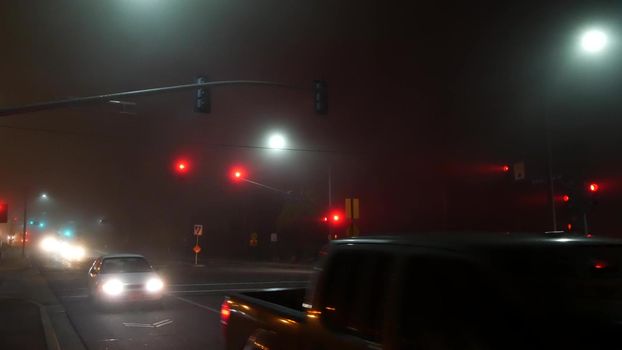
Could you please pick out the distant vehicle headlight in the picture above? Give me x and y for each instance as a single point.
(113, 287)
(78, 253)
(49, 244)
(154, 285)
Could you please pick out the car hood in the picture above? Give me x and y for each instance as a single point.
(130, 278)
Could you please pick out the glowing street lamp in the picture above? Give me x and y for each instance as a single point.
(594, 41)
(276, 141)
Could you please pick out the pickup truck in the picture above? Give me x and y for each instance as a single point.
(443, 291)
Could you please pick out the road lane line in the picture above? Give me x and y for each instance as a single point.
(233, 283)
(197, 304)
(74, 296)
(163, 321)
(139, 325)
(163, 324)
(232, 290)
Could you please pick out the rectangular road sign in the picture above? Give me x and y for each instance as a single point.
(198, 230)
(519, 171)
(348, 208)
(352, 208)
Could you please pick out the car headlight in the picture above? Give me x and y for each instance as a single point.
(78, 253)
(154, 285)
(49, 244)
(113, 287)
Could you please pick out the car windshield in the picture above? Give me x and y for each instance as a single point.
(125, 265)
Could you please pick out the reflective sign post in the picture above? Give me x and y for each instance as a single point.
(197, 231)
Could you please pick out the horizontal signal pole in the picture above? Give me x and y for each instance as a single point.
(41, 106)
(267, 187)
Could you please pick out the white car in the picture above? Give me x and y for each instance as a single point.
(124, 277)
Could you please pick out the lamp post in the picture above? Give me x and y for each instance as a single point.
(591, 42)
(42, 196)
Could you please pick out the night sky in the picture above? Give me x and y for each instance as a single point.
(426, 102)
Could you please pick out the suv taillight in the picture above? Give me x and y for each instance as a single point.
(225, 312)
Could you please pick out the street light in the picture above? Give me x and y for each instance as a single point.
(276, 141)
(594, 41)
(43, 196)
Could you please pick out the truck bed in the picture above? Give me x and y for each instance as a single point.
(287, 298)
(275, 310)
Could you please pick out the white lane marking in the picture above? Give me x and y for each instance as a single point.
(197, 304)
(164, 324)
(140, 325)
(233, 283)
(148, 325)
(207, 291)
(163, 321)
(84, 296)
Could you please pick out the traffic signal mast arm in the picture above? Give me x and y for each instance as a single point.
(41, 106)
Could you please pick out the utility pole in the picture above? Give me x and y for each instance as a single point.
(24, 224)
(330, 199)
(551, 179)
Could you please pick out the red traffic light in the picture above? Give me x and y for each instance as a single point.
(182, 166)
(238, 174)
(334, 218)
(566, 198)
(593, 187)
(505, 168)
(4, 212)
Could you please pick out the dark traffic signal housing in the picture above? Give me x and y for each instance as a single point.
(320, 96)
(203, 103)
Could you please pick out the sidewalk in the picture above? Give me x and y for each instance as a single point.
(30, 315)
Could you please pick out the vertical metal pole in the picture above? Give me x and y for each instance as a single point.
(196, 255)
(330, 187)
(24, 224)
(551, 180)
(585, 228)
(330, 200)
(549, 157)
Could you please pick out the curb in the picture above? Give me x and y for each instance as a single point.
(51, 339)
(51, 336)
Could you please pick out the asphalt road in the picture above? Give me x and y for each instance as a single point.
(188, 317)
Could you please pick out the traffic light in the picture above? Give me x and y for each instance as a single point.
(4, 213)
(593, 187)
(320, 96)
(565, 198)
(182, 166)
(505, 168)
(333, 218)
(203, 103)
(238, 174)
